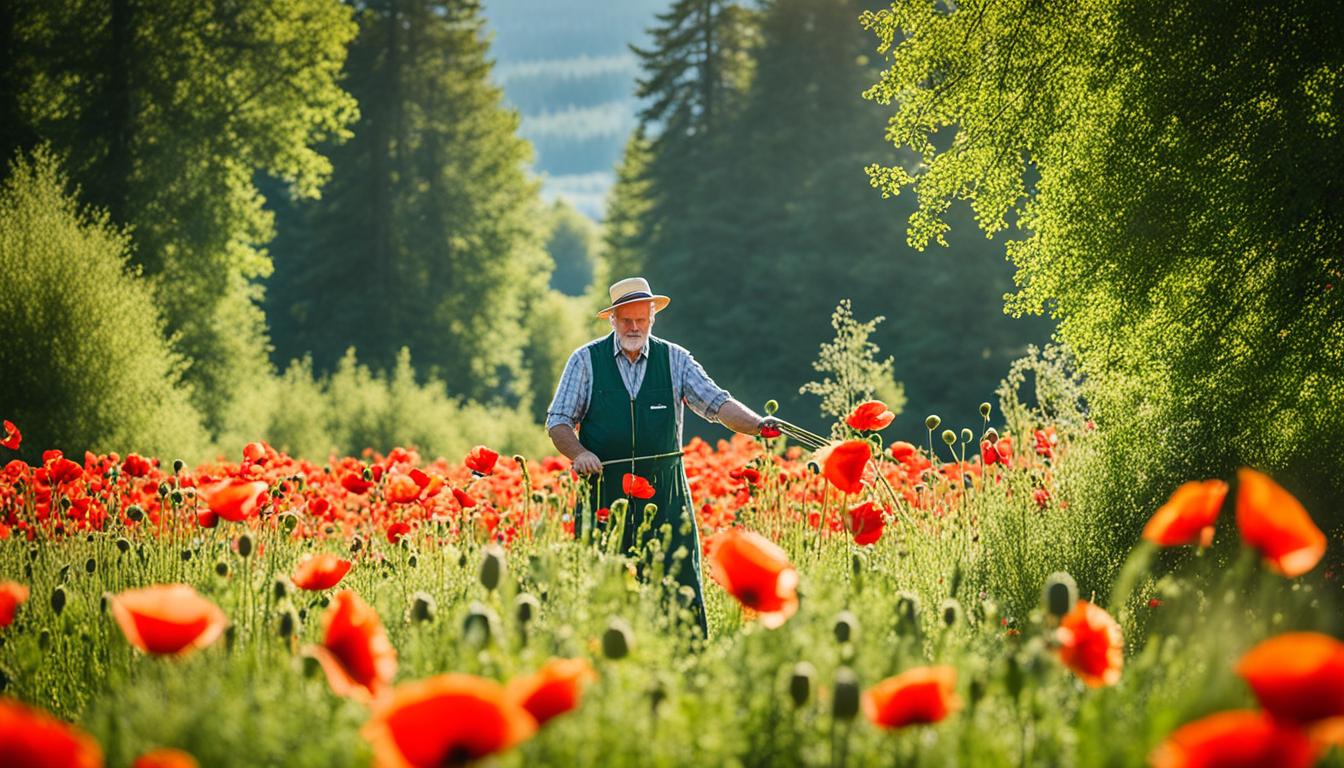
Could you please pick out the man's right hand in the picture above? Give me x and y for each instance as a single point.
(587, 463)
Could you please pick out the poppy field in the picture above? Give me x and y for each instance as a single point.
(869, 603)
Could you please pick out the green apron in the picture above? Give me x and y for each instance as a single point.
(617, 427)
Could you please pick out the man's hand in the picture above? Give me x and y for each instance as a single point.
(768, 427)
(587, 463)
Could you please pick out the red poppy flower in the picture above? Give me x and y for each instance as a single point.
(235, 500)
(1235, 739)
(355, 653)
(165, 757)
(636, 486)
(1042, 497)
(31, 738)
(401, 489)
(865, 522)
(429, 484)
(355, 483)
(1091, 645)
(396, 530)
(554, 690)
(463, 498)
(770, 432)
(757, 572)
(62, 470)
(449, 719)
(1188, 516)
(12, 595)
(1004, 447)
(1274, 522)
(748, 475)
(987, 453)
(255, 452)
(1297, 677)
(12, 436)
(481, 460)
(167, 619)
(136, 465)
(602, 514)
(320, 571)
(870, 416)
(916, 696)
(843, 464)
(902, 451)
(1046, 440)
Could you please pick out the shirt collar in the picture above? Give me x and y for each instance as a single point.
(616, 350)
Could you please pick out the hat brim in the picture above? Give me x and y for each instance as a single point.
(659, 303)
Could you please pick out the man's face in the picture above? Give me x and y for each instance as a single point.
(632, 323)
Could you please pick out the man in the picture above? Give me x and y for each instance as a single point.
(618, 405)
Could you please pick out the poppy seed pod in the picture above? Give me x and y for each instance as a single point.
(526, 607)
(992, 435)
(58, 599)
(1060, 594)
(355, 544)
(164, 489)
(932, 422)
(413, 561)
(845, 697)
(907, 613)
(245, 545)
(423, 607)
(186, 555)
(951, 612)
(949, 436)
(222, 568)
(135, 513)
(617, 640)
(846, 627)
(800, 682)
(90, 565)
(771, 406)
(176, 496)
(280, 588)
(476, 626)
(492, 567)
(985, 409)
(367, 474)
(289, 521)
(289, 621)
(967, 435)
(178, 465)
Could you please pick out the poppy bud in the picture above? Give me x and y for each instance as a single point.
(65, 503)
(164, 489)
(355, 544)
(311, 666)
(771, 406)
(985, 409)
(657, 695)
(907, 613)
(245, 545)
(492, 567)
(222, 568)
(176, 496)
(288, 622)
(367, 474)
(617, 640)
(90, 565)
(619, 506)
(289, 521)
(845, 697)
(977, 689)
(992, 435)
(135, 513)
(800, 682)
(476, 626)
(44, 638)
(951, 612)
(423, 607)
(1060, 594)
(846, 627)
(932, 422)
(526, 608)
(967, 435)
(186, 555)
(280, 588)
(650, 509)
(413, 561)
(949, 436)
(178, 465)
(58, 599)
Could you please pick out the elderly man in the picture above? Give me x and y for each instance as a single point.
(619, 405)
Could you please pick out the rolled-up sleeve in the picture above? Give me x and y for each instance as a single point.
(698, 389)
(571, 395)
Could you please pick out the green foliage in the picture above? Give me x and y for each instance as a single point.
(555, 325)
(851, 371)
(83, 363)
(1174, 171)
(166, 111)
(573, 244)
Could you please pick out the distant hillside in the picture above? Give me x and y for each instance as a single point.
(565, 65)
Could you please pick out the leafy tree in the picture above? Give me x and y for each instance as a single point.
(84, 360)
(573, 244)
(852, 372)
(1175, 171)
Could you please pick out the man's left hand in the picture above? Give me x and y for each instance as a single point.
(768, 427)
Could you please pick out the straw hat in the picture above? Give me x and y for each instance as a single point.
(631, 290)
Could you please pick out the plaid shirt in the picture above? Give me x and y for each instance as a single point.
(690, 384)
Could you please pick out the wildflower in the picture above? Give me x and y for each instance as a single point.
(449, 719)
(554, 689)
(844, 463)
(396, 531)
(62, 470)
(988, 455)
(31, 737)
(481, 460)
(12, 595)
(748, 475)
(167, 619)
(1297, 677)
(902, 451)
(636, 486)
(165, 757)
(13, 437)
(1240, 738)
(870, 416)
(757, 572)
(355, 654)
(320, 571)
(402, 489)
(1042, 497)
(234, 500)
(916, 696)
(1188, 516)
(136, 465)
(1090, 644)
(865, 522)
(1274, 522)
(356, 484)
(1046, 440)
(463, 498)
